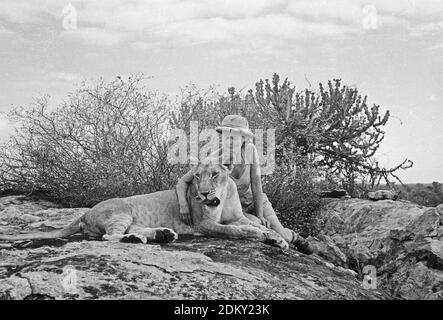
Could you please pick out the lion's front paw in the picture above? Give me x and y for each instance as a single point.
(276, 240)
(133, 238)
(165, 235)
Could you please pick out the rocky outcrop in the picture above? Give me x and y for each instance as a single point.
(402, 240)
(191, 268)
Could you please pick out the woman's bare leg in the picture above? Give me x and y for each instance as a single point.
(286, 233)
(270, 215)
(289, 235)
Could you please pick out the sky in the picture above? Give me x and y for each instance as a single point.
(391, 50)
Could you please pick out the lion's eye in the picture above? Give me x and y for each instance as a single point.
(197, 176)
(214, 174)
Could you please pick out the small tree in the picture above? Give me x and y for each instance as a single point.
(334, 127)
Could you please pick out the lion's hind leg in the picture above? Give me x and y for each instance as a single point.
(116, 230)
(157, 235)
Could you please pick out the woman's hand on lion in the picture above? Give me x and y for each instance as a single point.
(265, 222)
(186, 217)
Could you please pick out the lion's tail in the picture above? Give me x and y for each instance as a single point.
(72, 228)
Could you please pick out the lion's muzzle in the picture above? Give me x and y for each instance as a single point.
(208, 199)
(211, 202)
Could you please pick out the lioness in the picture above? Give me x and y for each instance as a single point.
(154, 217)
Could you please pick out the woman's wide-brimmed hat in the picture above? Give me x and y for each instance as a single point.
(236, 124)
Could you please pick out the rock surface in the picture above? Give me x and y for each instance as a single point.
(402, 240)
(191, 268)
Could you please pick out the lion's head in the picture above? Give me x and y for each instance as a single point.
(210, 181)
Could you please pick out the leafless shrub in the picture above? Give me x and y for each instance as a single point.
(108, 140)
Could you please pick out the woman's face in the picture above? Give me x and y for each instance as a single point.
(233, 152)
(229, 140)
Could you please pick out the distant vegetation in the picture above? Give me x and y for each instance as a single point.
(429, 195)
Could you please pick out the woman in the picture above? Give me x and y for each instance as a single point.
(246, 176)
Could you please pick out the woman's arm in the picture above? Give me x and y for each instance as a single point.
(256, 186)
(257, 191)
(182, 190)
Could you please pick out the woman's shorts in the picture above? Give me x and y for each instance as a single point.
(267, 208)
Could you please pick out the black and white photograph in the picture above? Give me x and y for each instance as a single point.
(222, 156)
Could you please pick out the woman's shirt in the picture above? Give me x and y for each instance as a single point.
(249, 157)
